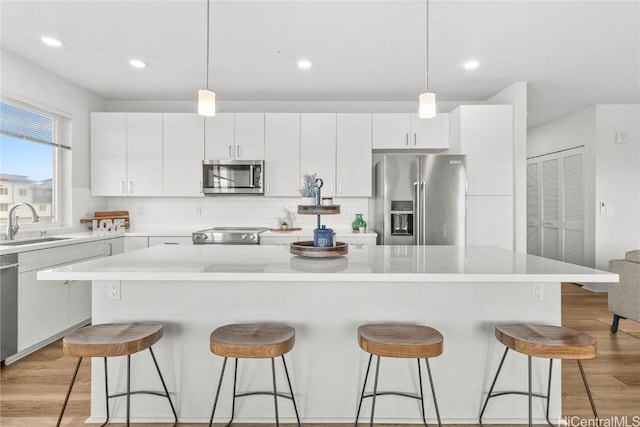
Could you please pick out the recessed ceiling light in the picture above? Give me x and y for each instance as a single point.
(51, 41)
(137, 63)
(471, 65)
(304, 64)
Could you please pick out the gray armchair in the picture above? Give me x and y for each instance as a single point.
(624, 297)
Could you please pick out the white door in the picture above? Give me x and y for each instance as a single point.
(249, 136)
(282, 154)
(108, 154)
(318, 149)
(429, 133)
(551, 209)
(182, 154)
(573, 207)
(219, 137)
(353, 155)
(144, 154)
(533, 207)
(391, 130)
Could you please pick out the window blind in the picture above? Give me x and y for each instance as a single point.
(31, 124)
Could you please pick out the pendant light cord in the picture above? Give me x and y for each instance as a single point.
(208, 6)
(427, 46)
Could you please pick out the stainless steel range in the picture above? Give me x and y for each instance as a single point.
(228, 236)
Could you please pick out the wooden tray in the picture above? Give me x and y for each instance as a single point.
(284, 230)
(319, 209)
(306, 249)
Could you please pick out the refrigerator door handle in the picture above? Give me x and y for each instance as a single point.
(418, 209)
(423, 213)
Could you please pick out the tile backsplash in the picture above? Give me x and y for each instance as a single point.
(200, 213)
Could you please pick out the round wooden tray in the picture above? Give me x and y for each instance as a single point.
(319, 209)
(306, 249)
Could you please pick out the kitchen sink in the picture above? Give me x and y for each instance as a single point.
(31, 242)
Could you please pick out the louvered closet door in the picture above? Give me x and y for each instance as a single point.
(533, 207)
(573, 204)
(551, 208)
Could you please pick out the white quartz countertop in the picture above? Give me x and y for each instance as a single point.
(363, 263)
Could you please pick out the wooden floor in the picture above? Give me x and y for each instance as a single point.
(32, 389)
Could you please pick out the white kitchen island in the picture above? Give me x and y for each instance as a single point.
(461, 291)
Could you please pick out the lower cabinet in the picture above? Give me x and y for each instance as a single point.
(47, 308)
(170, 240)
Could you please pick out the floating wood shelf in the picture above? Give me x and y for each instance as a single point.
(306, 249)
(319, 210)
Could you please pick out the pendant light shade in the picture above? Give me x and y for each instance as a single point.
(206, 102)
(207, 97)
(427, 108)
(427, 100)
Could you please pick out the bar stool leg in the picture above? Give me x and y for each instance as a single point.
(549, 392)
(215, 401)
(529, 391)
(493, 384)
(586, 385)
(66, 400)
(128, 387)
(366, 376)
(106, 391)
(275, 391)
(233, 402)
(164, 386)
(286, 371)
(433, 393)
(375, 391)
(424, 417)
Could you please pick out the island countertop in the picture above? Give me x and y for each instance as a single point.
(364, 262)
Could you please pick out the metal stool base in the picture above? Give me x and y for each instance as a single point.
(128, 393)
(273, 393)
(376, 393)
(530, 394)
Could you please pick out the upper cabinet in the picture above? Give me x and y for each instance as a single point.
(282, 154)
(353, 155)
(408, 131)
(318, 149)
(182, 154)
(126, 154)
(237, 136)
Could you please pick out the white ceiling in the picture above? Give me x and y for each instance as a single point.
(572, 53)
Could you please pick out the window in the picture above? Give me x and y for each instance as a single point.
(4, 207)
(32, 142)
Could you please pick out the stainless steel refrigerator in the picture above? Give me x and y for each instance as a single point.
(420, 199)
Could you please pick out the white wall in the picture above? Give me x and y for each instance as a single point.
(23, 81)
(617, 182)
(516, 95)
(611, 174)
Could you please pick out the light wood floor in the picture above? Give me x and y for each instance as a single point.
(32, 389)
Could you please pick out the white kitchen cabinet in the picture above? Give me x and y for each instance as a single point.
(170, 240)
(108, 154)
(144, 154)
(408, 131)
(353, 155)
(237, 136)
(318, 149)
(282, 155)
(47, 308)
(182, 154)
(485, 134)
(490, 221)
(126, 154)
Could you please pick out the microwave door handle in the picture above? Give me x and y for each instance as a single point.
(252, 173)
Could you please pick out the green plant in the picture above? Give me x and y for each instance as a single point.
(309, 185)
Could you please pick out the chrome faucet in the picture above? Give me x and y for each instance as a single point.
(12, 229)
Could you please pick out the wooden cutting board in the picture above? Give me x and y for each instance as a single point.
(100, 215)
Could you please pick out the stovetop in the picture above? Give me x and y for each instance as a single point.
(229, 235)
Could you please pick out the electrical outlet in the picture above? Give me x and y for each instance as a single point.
(537, 290)
(114, 290)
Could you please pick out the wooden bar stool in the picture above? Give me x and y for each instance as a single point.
(253, 341)
(110, 340)
(404, 341)
(548, 342)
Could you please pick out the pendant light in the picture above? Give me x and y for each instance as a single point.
(207, 97)
(427, 100)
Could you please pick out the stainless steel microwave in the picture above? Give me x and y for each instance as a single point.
(232, 177)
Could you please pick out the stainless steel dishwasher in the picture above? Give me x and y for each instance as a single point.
(8, 306)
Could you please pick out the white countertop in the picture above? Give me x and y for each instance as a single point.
(363, 263)
(65, 239)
